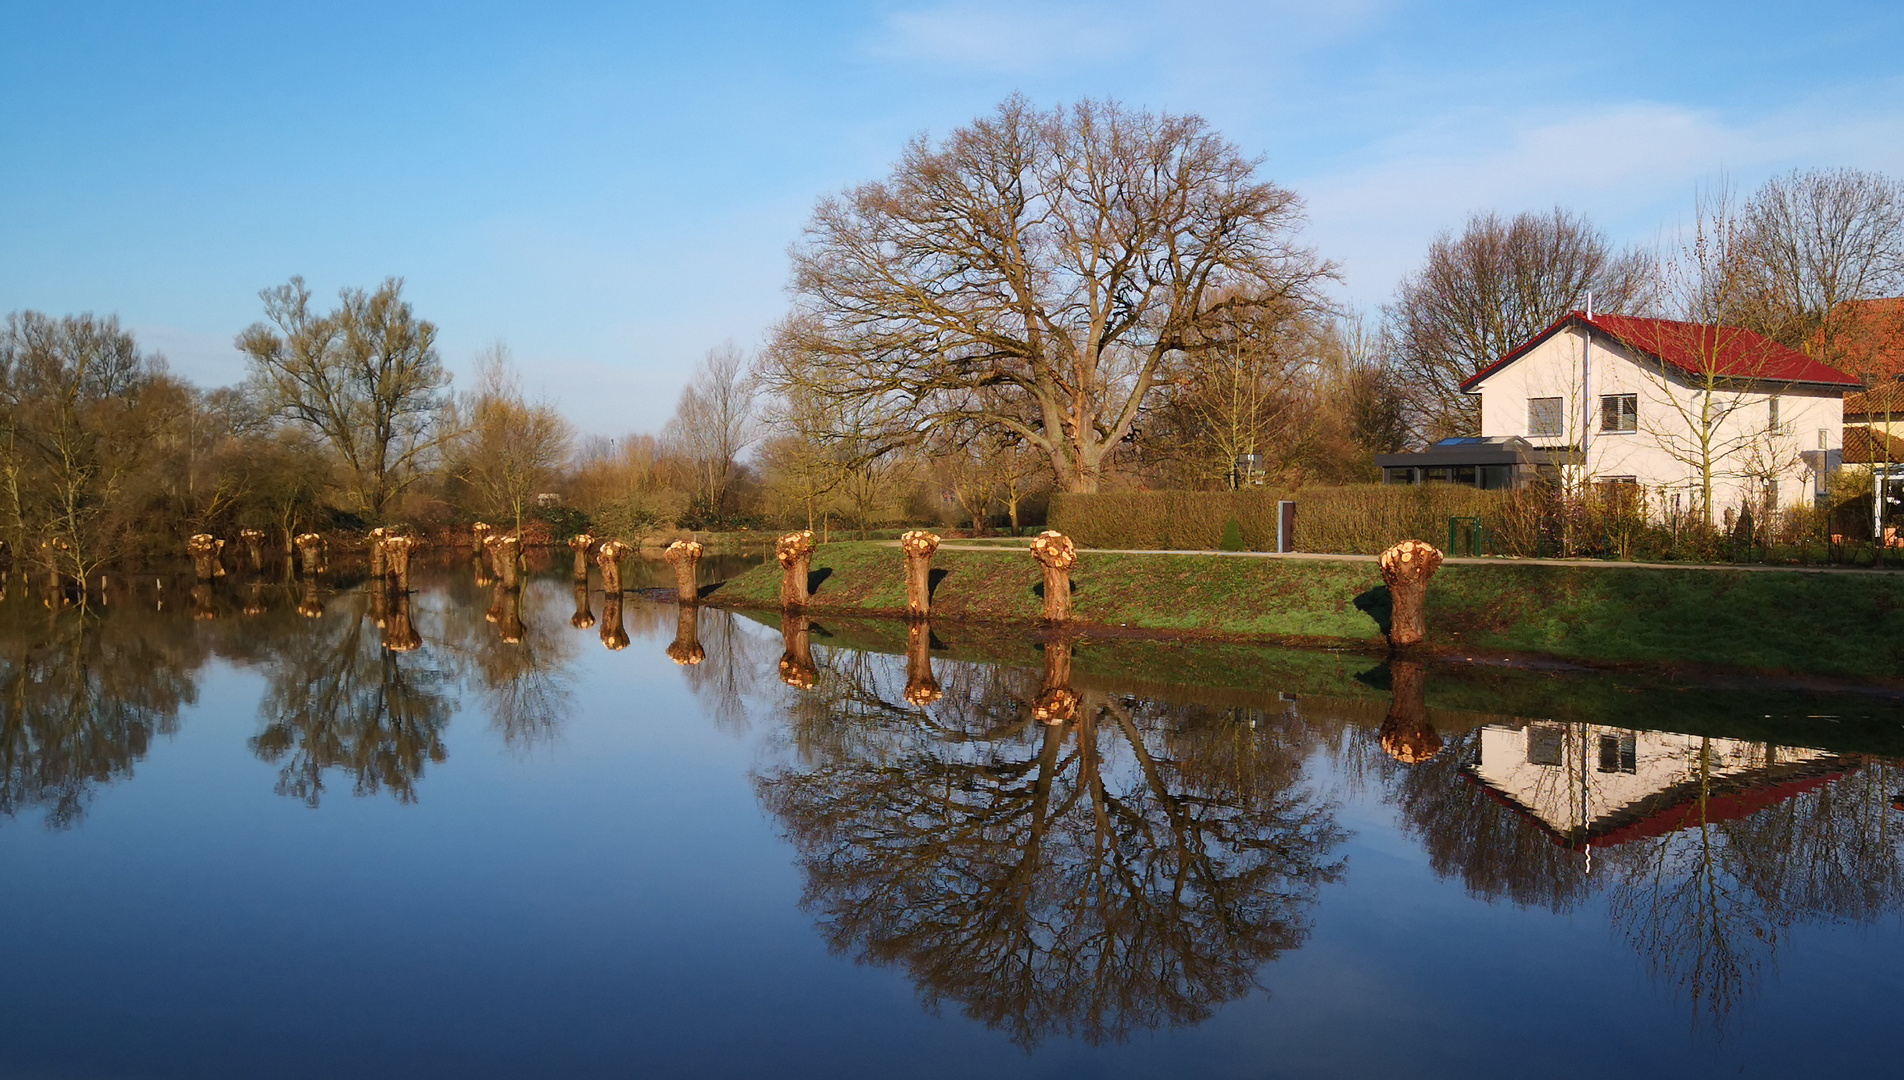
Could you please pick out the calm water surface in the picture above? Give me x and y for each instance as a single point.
(273, 832)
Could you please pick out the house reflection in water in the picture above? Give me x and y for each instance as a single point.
(1591, 786)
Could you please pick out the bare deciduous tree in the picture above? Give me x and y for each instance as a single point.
(1060, 260)
(365, 376)
(1488, 290)
(714, 423)
(1813, 241)
(510, 449)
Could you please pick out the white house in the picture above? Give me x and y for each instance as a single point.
(1668, 406)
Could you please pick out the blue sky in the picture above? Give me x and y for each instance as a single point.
(611, 189)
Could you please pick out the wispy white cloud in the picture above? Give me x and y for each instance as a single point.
(1632, 166)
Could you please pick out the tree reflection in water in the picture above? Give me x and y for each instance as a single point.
(520, 663)
(81, 698)
(1127, 870)
(338, 699)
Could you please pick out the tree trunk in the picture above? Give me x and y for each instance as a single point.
(1406, 568)
(1056, 554)
(609, 559)
(685, 556)
(919, 545)
(795, 553)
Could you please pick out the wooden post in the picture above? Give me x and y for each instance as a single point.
(204, 552)
(921, 688)
(376, 539)
(685, 556)
(396, 559)
(1406, 734)
(919, 545)
(686, 649)
(797, 668)
(1055, 552)
(507, 550)
(479, 532)
(609, 559)
(795, 552)
(581, 545)
(614, 635)
(254, 540)
(1406, 568)
(1056, 703)
(583, 619)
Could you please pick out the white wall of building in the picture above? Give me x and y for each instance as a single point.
(1658, 455)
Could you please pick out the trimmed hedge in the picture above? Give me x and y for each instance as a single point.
(1361, 519)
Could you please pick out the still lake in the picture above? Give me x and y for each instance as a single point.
(241, 837)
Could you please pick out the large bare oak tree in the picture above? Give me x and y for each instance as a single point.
(1040, 272)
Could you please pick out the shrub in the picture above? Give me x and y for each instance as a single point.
(1358, 519)
(1232, 535)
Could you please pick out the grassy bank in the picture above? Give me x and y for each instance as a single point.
(1459, 696)
(1835, 624)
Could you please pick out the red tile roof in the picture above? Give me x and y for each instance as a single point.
(1885, 400)
(1863, 446)
(1691, 347)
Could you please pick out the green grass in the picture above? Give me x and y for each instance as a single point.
(1835, 624)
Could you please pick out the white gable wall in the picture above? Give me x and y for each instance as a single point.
(1657, 454)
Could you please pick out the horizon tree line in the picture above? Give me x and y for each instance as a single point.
(1043, 300)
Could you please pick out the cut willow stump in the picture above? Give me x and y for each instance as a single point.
(508, 554)
(685, 557)
(795, 552)
(581, 545)
(310, 547)
(396, 559)
(609, 559)
(254, 541)
(686, 649)
(1057, 554)
(1406, 734)
(203, 549)
(1406, 568)
(921, 688)
(376, 538)
(919, 545)
(480, 533)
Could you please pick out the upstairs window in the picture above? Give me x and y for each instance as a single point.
(1619, 412)
(1543, 416)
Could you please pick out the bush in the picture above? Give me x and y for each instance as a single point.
(1360, 519)
(1232, 535)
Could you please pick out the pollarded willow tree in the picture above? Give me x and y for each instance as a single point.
(1041, 273)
